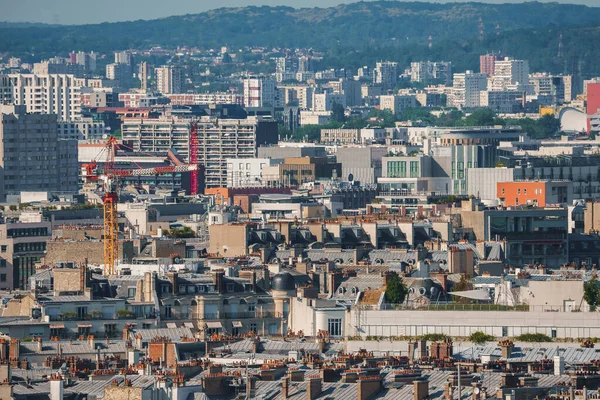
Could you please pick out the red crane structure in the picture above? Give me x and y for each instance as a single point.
(193, 157)
(110, 177)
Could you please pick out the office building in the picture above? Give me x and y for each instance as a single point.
(87, 60)
(168, 80)
(43, 94)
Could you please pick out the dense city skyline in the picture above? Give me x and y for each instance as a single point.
(86, 12)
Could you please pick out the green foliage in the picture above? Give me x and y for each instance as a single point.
(395, 290)
(543, 128)
(533, 337)
(460, 286)
(12, 207)
(364, 25)
(185, 232)
(480, 337)
(417, 114)
(434, 337)
(124, 314)
(591, 294)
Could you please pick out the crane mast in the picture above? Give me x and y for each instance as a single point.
(109, 178)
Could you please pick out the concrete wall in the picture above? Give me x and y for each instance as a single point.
(564, 294)
(228, 240)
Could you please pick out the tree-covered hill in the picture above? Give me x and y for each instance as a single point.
(380, 23)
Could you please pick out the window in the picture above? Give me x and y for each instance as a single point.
(519, 191)
(334, 326)
(253, 328)
(131, 292)
(230, 287)
(2, 277)
(524, 191)
(167, 311)
(3, 248)
(502, 190)
(81, 312)
(2, 263)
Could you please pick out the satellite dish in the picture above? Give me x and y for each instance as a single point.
(350, 178)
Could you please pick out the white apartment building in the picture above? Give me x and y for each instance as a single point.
(122, 74)
(218, 140)
(246, 172)
(43, 94)
(385, 74)
(466, 89)
(552, 89)
(510, 74)
(301, 95)
(397, 103)
(259, 92)
(206, 98)
(168, 79)
(422, 71)
(325, 101)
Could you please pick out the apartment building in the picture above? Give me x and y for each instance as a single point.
(385, 75)
(122, 74)
(552, 89)
(81, 129)
(218, 140)
(423, 71)
(397, 103)
(259, 92)
(43, 94)
(487, 63)
(325, 101)
(169, 79)
(22, 245)
(205, 98)
(466, 88)
(511, 74)
(33, 157)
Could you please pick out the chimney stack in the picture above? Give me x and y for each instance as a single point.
(56, 388)
(422, 348)
(507, 347)
(92, 342)
(218, 280)
(421, 389)
(40, 345)
(313, 389)
(368, 386)
(285, 387)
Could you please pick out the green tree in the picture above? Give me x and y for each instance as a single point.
(460, 286)
(480, 337)
(395, 290)
(481, 117)
(185, 232)
(547, 126)
(337, 113)
(591, 294)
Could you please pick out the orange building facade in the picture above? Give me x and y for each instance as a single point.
(522, 193)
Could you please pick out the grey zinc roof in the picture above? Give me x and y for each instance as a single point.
(392, 255)
(175, 334)
(77, 347)
(572, 355)
(331, 254)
